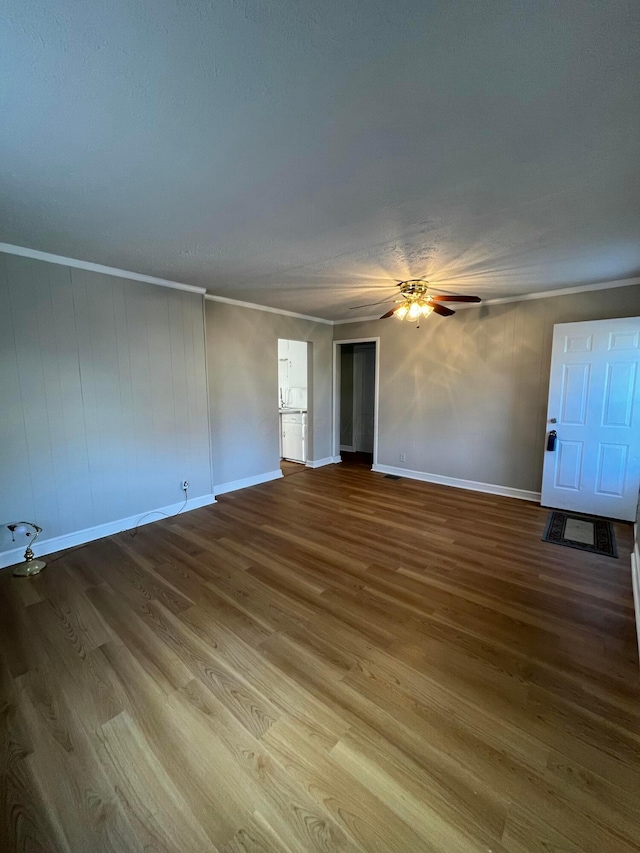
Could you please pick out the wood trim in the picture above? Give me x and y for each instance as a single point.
(255, 307)
(90, 534)
(335, 415)
(24, 252)
(457, 483)
(563, 291)
(320, 463)
(246, 482)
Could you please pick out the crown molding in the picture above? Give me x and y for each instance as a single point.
(228, 301)
(9, 249)
(561, 291)
(35, 254)
(359, 320)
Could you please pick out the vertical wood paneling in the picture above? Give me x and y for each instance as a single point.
(108, 404)
(16, 493)
(201, 431)
(132, 470)
(77, 496)
(157, 322)
(92, 425)
(178, 382)
(52, 409)
(104, 397)
(143, 435)
(27, 285)
(190, 386)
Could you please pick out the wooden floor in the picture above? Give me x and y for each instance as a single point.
(331, 661)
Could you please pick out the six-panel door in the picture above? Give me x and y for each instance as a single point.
(594, 406)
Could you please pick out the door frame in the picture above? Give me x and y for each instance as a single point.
(308, 444)
(335, 425)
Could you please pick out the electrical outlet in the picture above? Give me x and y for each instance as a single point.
(185, 485)
(403, 457)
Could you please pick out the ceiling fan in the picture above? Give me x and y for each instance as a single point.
(415, 301)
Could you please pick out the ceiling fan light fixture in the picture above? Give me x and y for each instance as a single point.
(413, 309)
(416, 302)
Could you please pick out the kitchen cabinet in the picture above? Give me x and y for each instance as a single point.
(293, 430)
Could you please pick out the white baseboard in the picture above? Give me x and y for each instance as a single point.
(347, 448)
(635, 579)
(319, 463)
(472, 485)
(89, 534)
(234, 485)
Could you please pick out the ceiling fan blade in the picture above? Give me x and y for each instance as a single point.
(390, 313)
(441, 310)
(455, 298)
(369, 304)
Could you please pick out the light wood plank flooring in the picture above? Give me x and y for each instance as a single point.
(329, 662)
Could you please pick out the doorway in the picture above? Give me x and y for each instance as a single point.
(356, 401)
(293, 386)
(592, 446)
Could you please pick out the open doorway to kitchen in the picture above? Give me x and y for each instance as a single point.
(356, 401)
(293, 387)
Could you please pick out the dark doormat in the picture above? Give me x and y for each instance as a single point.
(581, 531)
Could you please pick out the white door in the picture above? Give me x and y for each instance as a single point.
(594, 407)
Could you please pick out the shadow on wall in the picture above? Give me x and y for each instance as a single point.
(466, 396)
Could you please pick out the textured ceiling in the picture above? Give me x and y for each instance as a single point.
(304, 154)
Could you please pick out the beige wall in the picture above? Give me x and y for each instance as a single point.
(103, 398)
(466, 396)
(242, 359)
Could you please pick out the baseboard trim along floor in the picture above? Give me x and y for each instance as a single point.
(472, 485)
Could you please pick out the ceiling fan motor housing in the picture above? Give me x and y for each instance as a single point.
(415, 287)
